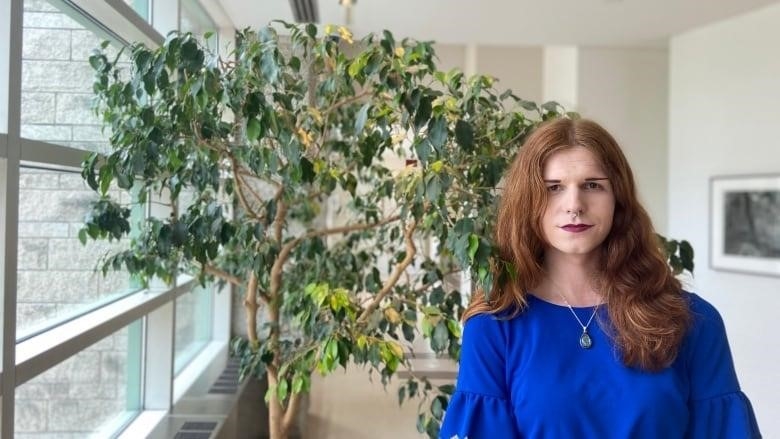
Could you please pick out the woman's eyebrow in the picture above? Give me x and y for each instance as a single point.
(587, 179)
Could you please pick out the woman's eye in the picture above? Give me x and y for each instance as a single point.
(592, 185)
(554, 188)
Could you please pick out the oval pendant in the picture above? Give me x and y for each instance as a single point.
(585, 341)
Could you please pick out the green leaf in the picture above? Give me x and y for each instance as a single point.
(686, 255)
(447, 389)
(254, 129)
(298, 382)
(464, 134)
(83, 236)
(440, 337)
(311, 30)
(281, 389)
(438, 406)
(362, 116)
(423, 112)
(401, 394)
(437, 132)
(473, 246)
(454, 328)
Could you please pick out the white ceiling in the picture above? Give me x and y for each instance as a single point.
(515, 22)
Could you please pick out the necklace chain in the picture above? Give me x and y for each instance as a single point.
(593, 314)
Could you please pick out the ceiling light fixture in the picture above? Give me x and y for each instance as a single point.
(347, 4)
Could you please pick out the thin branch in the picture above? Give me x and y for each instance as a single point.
(259, 177)
(254, 193)
(348, 101)
(216, 272)
(411, 251)
(284, 254)
(240, 192)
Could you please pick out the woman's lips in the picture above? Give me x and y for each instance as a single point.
(576, 228)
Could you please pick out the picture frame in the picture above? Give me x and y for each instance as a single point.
(745, 224)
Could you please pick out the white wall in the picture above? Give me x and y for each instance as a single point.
(626, 91)
(723, 119)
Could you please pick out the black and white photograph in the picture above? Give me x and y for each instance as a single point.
(745, 232)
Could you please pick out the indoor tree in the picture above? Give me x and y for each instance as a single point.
(288, 152)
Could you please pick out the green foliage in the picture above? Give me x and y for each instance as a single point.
(262, 139)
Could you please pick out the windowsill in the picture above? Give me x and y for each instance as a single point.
(45, 350)
(198, 368)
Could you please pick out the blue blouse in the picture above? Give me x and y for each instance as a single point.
(528, 377)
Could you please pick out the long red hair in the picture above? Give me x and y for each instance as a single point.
(647, 312)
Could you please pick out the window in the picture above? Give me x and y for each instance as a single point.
(57, 78)
(93, 393)
(141, 7)
(193, 325)
(195, 19)
(57, 275)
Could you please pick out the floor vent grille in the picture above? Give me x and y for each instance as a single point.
(196, 430)
(227, 382)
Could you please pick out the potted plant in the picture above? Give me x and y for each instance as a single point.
(274, 143)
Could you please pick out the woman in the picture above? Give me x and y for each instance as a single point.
(594, 337)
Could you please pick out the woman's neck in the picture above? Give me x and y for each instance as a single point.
(573, 277)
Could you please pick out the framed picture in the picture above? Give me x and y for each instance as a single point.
(745, 224)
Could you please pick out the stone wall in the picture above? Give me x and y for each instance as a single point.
(56, 273)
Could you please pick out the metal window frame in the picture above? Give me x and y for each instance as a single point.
(24, 360)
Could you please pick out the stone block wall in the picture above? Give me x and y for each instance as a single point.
(56, 273)
(57, 79)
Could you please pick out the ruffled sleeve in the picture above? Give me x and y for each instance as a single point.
(717, 406)
(480, 407)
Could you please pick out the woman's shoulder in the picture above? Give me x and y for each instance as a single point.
(703, 313)
(707, 330)
(496, 326)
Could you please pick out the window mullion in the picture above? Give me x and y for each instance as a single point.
(12, 10)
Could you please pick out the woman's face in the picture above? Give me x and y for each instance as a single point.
(580, 202)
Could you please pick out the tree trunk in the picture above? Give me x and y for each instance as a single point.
(275, 412)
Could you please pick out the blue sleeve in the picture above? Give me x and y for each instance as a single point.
(480, 406)
(718, 408)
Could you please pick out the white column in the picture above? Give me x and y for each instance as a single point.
(560, 71)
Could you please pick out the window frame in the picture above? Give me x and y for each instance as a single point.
(26, 359)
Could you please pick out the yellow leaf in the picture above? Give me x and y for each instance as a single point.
(328, 29)
(305, 137)
(315, 113)
(362, 342)
(437, 166)
(399, 51)
(392, 315)
(396, 349)
(345, 34)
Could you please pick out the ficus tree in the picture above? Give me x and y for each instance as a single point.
(334, 183)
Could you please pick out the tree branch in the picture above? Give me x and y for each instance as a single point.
(251, 306)
(238, 186)
(216, 272)
(411, 250)
(284, 254)
(292, 410)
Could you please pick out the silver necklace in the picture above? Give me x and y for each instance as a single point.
(585, 341)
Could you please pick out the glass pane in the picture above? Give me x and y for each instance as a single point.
(57, 275)
(57, 78)
(140, 6)
(195, 19)
(193, 325)
(92, 394)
